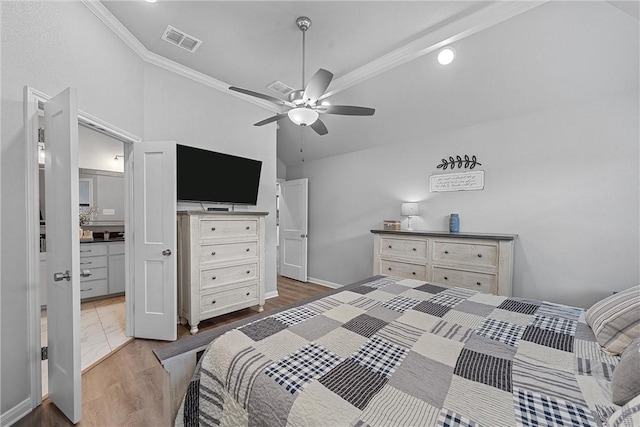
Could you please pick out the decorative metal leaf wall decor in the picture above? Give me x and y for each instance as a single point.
(466, 162)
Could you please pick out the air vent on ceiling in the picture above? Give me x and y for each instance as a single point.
(280, 88)
(181, 39)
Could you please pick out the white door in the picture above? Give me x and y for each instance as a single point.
(293, 229)
(63, 253)
(154, 205)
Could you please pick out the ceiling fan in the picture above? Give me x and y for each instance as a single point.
(304, 108)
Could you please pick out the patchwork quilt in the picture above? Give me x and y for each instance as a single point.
(400, 352)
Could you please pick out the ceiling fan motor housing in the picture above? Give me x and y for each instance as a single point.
(303, 23)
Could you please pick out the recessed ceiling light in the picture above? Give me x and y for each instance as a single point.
(151, 1)
(446, 56)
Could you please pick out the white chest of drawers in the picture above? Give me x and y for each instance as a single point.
(478, 261)
(220, 263)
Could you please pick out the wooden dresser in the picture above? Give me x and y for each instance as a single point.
(478, 261)
(220, 263)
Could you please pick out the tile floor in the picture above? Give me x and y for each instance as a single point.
(102, 330)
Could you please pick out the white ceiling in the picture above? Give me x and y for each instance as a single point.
(509, 62)
(251, 44)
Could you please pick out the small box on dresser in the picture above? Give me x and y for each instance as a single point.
(220, 263)
(479, 261)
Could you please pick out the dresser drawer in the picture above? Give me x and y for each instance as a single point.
(466, 279)
(227, 297)
(93, 262)
(210, 229)
(466, 253)
(92, 249)
(96, 274)
(403, 269)
(93, 288)
(213, 277)
(228, 251)
(403, 248)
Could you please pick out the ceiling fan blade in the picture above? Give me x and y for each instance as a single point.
(317, 85)
(273, 99)
(271, 119)
(346, 110)
(319, 127)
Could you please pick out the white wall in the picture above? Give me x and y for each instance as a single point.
(181, 110)
(565, 180)
(97, 151)
(53, 45)
(561, 159)
(49, 46)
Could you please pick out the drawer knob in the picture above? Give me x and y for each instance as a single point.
(479, 255)
(213, 302)
(213, 229)
(414, 273)
(446, 252)
(247, 227)
(247, 249)
(389, 246)
(446, 278)
(247, 293)
(248, 271)
(414, 249)
(213, 278)
(213, 253)
(389, 268)
(478, 283)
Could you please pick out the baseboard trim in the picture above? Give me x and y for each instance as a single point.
(324, 283)
(16, 413)
(272, 294)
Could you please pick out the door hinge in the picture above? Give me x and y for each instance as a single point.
(44, 353)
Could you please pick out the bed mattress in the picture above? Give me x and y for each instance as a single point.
(394, 351)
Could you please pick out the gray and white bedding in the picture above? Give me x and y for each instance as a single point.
(400, 352)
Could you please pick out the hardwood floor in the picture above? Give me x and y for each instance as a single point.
(126, 389)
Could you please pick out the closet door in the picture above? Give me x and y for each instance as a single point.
(154, 205)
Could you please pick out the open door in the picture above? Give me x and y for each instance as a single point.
(63, 254)
(154, 205)
(293, 229)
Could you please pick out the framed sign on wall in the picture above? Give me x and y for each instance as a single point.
(462, 181)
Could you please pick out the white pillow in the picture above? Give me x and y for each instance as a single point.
(615, 320)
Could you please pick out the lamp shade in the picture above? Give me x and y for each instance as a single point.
(410, 209)
(303, 116)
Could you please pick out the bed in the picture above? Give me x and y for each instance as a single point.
(391, 351)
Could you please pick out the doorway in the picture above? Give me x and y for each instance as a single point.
(34, 102)
(102, 247)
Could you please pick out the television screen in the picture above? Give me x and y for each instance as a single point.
(208, 176)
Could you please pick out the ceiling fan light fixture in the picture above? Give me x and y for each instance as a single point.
(303, 116)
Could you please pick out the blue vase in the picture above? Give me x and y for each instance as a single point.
(454, 223)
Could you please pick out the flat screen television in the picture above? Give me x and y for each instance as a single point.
(208, 176)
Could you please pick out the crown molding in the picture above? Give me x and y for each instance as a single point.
(486, 17)
(138, 48)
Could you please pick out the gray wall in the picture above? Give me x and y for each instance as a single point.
(53, 45)
(561, 160)
(182, 110)
(49, 46)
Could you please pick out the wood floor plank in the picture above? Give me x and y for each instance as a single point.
(126, 389)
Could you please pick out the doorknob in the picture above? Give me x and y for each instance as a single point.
(304, 235)
(166, 252)
(58, 277)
